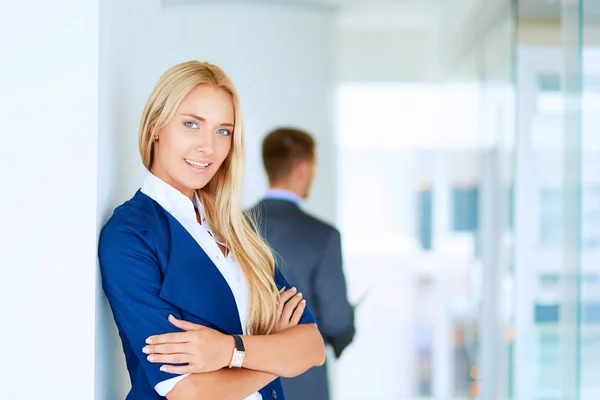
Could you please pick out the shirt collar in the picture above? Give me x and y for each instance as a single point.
(282, 194)
(171, 199)
(175, 202)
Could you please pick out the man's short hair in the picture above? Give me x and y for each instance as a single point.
(282, 148)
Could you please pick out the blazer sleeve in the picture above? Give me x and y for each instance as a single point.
(281, 281)
(336, 315)
(131, 278)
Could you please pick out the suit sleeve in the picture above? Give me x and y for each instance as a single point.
(131, 278)
(281, 281)
(336, 315)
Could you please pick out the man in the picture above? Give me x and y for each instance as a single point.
(307, 249)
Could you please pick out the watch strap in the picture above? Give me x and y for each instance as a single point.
(239, 352)
(239, 343)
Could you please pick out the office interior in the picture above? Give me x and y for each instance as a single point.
(458, 151)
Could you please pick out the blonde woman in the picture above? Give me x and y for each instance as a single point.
(202, 311)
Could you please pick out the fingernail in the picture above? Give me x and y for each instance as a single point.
(145, 350)
(299, 294)
(150, 358)
(163, 368)
(294, 289)
(148, 341)
(303, 301)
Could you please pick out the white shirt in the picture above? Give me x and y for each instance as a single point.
(184, 211)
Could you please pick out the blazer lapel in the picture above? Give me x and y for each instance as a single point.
(193, 283)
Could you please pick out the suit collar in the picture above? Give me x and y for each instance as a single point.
(280, 203)
(282, 194)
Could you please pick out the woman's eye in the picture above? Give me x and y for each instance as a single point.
(191, 125)
(224, 132)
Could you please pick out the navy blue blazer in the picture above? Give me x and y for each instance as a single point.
(151, 267)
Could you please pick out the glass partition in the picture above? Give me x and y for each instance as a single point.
(557, 203)
(589, 286)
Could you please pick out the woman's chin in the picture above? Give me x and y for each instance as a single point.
(196, 182)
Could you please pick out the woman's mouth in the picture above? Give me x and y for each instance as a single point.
(196, 164)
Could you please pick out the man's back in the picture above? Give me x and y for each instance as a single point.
(309, 253)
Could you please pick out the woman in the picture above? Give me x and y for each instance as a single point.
(202, 311)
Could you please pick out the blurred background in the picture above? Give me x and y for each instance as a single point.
(459, 155)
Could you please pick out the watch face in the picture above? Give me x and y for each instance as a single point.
(238, 358)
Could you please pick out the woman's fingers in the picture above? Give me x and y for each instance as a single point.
(290, 309)
(290, 306)
(167, 348)
(184, 325)
(170, 358)
(285, 296)
(177, 370)
(298, 313)
(176, 337)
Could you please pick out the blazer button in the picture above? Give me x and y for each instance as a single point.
(273, 394)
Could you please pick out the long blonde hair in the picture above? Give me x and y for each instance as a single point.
(221, 197)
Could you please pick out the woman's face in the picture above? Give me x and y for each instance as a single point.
(195, 142)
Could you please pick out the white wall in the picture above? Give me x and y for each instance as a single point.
(48, 109)
(128, 71)
(280, 57)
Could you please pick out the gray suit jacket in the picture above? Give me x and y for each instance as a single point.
(309, 253)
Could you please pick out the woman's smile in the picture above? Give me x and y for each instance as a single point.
(198, 166)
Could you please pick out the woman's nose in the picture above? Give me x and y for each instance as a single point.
(205, 143)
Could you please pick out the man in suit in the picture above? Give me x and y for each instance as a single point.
(307, 250)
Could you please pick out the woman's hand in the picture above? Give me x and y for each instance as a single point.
(291, 307)
(201, 348)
